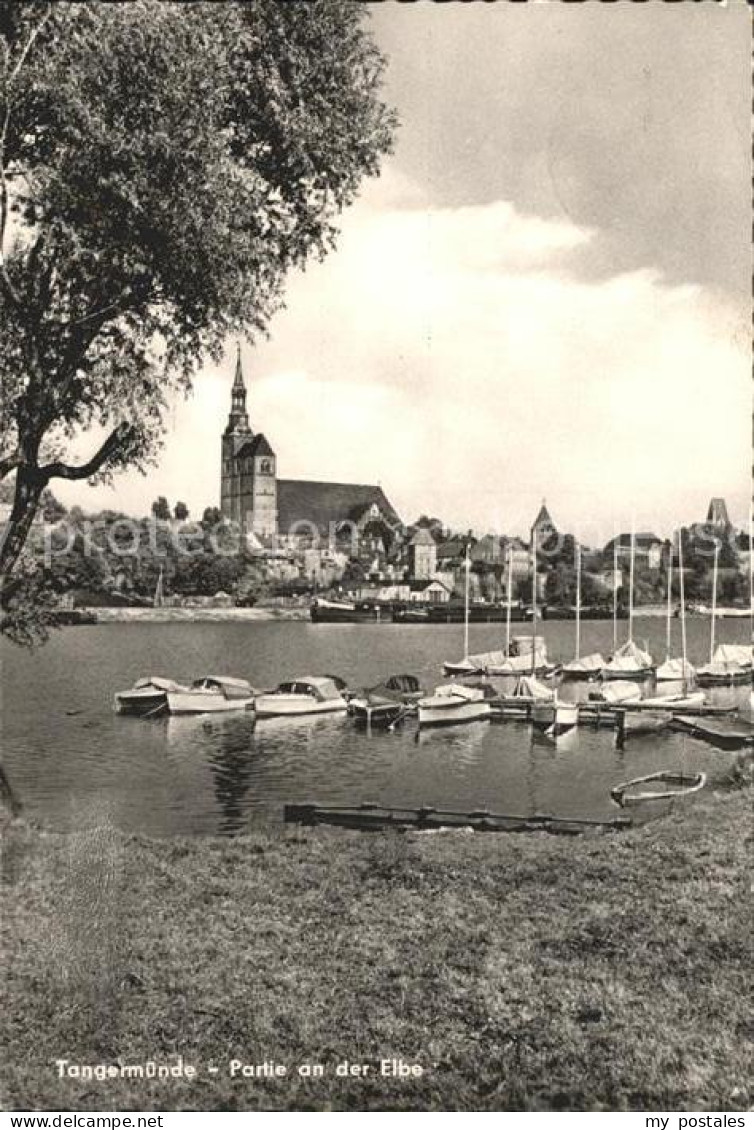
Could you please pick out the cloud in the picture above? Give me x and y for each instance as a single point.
(457, 356)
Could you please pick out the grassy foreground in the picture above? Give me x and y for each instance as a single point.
(521, 972)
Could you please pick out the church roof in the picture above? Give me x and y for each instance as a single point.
(325, 503)
(543, 518)
(258, 445)
(717, 513)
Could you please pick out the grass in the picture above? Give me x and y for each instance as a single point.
(521, 972)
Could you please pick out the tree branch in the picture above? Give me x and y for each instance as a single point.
(116, 439)
(7, 286)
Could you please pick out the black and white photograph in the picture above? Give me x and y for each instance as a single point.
(376, 573)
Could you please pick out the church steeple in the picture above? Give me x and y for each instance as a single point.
(238, 420)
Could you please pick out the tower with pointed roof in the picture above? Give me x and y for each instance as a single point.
(543, 527)
(248, 492)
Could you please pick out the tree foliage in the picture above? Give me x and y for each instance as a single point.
(162, 167)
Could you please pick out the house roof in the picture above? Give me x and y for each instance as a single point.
(422, 537)
(455, 547)
(422, 586)
(488, 548)
(642, 541)
(258, 445)
(323, 504)
(516, 543)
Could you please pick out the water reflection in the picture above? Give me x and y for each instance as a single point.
(198, 774)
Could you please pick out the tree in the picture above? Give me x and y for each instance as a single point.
(211, 517)
(162, 167)
(180, 511)
(161, 509)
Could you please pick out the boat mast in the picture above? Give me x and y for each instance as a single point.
(751, 574)
(508, 608)
(615, 593)
(670, 602)
(534, 602)
(578, 600)
(714, 601)
(158, 599)
(467, 567)
(631, 586)
(681, 577)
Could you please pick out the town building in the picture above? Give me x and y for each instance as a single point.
(422, 555)
(717, 514)
(543, 528)
(648, 549)
(294, 512)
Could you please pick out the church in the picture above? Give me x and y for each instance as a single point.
(291, 511)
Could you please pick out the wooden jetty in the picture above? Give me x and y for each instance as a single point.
(724, 733)
(374, 817)
(596, 714)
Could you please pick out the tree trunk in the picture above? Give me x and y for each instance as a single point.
(29, 486)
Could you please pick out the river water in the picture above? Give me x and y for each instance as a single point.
(74, 762)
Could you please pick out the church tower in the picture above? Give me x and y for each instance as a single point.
(248, 490)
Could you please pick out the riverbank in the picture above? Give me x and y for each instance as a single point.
(517, 972)
(191, 615)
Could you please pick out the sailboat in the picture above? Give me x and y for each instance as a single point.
(519, 656)
(554, 717)
(729, 664)
(685, 699)
(629, 661)
(675, 670)
(470, 664)
(588, 666)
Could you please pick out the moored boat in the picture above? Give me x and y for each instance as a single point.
(146, 696)
(308, 695)
(210, 695)
(670, 786)
(588, 667)
(622, 690)
(387, 703)
(720, 673)
(675, 671)
(555, 717)
(675, 701)
(347, 612)
(628, 662)
(453, 702)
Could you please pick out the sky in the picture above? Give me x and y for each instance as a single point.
(546, 294)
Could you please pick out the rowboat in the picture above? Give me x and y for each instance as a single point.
(211, 695)
(308, 695)
(677, 785)
(453, 702)
(147, 696)
(387, 703)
